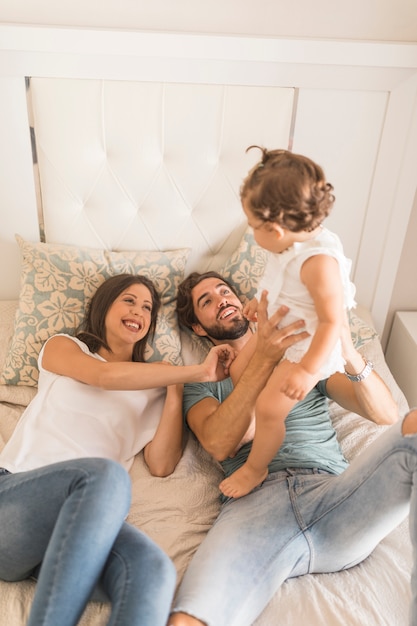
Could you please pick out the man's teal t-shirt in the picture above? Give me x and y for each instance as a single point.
(310, 439)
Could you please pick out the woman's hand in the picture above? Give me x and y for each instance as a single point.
(217, 363)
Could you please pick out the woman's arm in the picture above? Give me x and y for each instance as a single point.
(165, 450)
(64, 357)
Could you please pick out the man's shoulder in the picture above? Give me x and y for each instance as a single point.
(194, 392)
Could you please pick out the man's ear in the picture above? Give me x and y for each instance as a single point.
(199, 330)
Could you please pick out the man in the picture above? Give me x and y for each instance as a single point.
(312, 513)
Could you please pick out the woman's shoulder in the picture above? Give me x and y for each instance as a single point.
(63, 344)
(59, 341)
(66, 337)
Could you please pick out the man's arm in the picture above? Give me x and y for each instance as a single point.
(370, 397)
(221, 427)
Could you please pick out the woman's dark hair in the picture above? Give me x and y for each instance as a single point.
(288, 189)
(185, 305)
(93, 330)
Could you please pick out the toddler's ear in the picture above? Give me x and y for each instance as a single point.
(279, 230)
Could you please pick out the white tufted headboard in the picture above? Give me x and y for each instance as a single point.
(148, 165)
(129, 165)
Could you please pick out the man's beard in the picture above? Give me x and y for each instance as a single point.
(219, 333)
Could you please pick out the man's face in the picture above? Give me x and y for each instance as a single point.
(218, 310)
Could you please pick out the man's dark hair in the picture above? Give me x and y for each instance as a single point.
(185, 306)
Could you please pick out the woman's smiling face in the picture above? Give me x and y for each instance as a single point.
(129, 317)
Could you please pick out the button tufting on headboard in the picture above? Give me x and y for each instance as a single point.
(115, 161)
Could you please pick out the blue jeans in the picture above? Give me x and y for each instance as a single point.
(68, 518)
(299, 522)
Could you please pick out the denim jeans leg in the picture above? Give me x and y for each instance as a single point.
(139, 579)
(67, 516)
(345, 518)
(254, 545)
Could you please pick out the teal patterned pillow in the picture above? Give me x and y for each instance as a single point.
(361, 332)
(245, 267)
(57, 282)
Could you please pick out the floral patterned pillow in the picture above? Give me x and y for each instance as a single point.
(245, 267)
(361, 332)
(57, 282)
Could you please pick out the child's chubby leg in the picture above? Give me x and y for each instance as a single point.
(271, 409)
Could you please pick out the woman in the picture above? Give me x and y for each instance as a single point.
(64, 486)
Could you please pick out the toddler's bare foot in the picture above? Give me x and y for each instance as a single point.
(242, 481)
(182, 619)
(410, 422)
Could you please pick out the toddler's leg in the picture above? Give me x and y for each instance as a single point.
(271, 409)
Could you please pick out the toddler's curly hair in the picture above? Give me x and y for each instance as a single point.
(289, 189)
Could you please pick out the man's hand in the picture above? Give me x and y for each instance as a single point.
(273, 341)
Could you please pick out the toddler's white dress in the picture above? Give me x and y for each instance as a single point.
(282, 281)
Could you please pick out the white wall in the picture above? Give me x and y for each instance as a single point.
(404, 295)
(366, 20)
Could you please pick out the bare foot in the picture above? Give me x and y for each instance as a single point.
(410, 422)
(242, 481)
(182, 619)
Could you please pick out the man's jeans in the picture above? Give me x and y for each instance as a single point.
(298, 522)
(69, 517)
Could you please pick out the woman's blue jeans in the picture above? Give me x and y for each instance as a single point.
(65, 523)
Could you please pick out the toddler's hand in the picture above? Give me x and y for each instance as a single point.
(297, 382)
(250, 310)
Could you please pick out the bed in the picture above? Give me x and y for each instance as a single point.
(111, 203)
